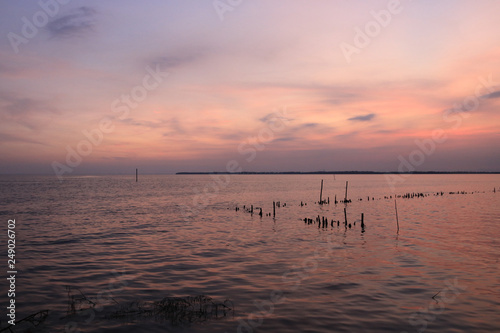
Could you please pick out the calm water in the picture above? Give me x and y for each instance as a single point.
(180, 236)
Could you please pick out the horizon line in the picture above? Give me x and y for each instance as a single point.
(331, 172)
(263, 173)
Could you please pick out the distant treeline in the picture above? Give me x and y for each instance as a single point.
(337, 173)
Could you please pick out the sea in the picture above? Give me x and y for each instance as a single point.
(193, 253)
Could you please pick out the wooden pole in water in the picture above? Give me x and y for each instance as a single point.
(362, 220)
(346, 184)
(345, 216)
(274, 209)
(396, 207)
(136, 175)
(321, 193)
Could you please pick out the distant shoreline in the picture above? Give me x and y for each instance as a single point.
(342, 173)
(271, 173)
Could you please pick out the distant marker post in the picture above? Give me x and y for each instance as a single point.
(396, 208)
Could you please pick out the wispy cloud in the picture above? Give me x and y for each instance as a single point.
(15, 105)
(144, 123)
(179, 58)
(286, 139)
(28, 112)
(307, 125)
(495, 94)
(75, 23)
(348, 135)
(366, 117)
(272, 116)
(462, 108)
(4, 137)
(172, 125)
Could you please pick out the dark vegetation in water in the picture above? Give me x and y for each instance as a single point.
(177, 311)
(28, 324)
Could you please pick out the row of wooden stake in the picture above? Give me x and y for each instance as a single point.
(323, 221)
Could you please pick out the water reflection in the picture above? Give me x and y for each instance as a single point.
(77, 233)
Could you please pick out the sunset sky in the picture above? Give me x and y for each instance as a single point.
(273, 85)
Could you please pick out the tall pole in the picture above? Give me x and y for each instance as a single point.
(136, 175)
(396, 207)
(321, 193)
(346, 183)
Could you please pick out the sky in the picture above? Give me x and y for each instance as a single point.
(100, 87)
